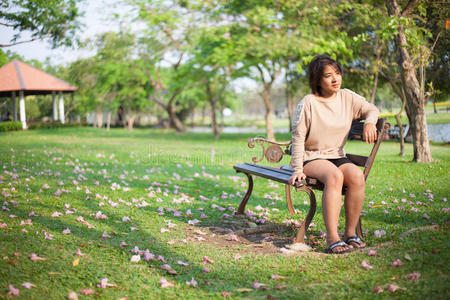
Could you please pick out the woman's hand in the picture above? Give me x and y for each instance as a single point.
(369, 133)
(296, 176)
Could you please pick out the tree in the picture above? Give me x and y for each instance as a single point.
(56, 20)
(411, 44)
(164, 47)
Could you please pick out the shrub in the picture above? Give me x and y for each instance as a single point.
(56, 124)
(10, 126)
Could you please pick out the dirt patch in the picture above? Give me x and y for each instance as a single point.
(240, 234)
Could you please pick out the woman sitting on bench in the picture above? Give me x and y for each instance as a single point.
(320, 127)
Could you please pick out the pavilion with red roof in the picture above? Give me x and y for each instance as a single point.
(19, 78)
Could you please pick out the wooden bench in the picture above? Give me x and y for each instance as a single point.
(274, 153)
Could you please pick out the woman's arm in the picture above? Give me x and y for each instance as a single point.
(299, 132)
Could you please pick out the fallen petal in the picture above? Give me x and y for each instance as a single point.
(192, 283)
(164, 283)
(87, 291)
(414, 276)
(135, 258)
(378, 289)
(257, 285)
(275, 276)
(392, 287)
(72, 296)
(28, 285)
(366, 266)
(13, 291)
(397, 263)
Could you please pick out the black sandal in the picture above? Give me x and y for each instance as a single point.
(339, 244)
(355, 239)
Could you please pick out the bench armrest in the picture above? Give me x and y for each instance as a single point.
(273, 153)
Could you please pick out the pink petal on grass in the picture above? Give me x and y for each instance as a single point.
(366, 266)
(104, 283)
(372, 253)
(78, 252)
(87, 291)
(181, 263)
(66, 231)
(392, 287)
(28, 285)
(34, 257)
(257, 285)
(378, 289)
(105, 235)
(192, 283)
(72, 296)
(414, 276)
(135, 258)
(426, 216)
(379, 233)
(169, 269)
(193, 222)
(397, 263)
(206, 269)
(207, 260)
(237, 256)
(13, 291)
(164, 283)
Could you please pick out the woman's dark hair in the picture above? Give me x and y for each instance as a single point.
(315, 71)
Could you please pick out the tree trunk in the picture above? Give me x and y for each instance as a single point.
(415, 103)
(130, 121)
(214, 126)
(374, 87)
(291, 107)
(99, 117)
(399, 124)
(265, 94)
(108, 121)
(174, 121)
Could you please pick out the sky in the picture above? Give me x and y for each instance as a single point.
(95, 21)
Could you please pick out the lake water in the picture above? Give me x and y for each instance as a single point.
(436, 132)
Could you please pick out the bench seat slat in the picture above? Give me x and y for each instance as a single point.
(265, 172)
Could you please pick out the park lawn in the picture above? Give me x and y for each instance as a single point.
(132, 187)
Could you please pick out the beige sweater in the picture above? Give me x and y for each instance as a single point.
(320, 127)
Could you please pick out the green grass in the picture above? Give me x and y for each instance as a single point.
(197, 165)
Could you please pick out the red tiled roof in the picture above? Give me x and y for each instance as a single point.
(18, 76)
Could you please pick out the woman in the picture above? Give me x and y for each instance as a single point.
(320, 127)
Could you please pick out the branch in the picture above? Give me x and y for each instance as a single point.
(409, 8)
(22, 42)
(4, 24)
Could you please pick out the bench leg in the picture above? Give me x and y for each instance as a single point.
(359, 228)
(247, 195)
(309, 217)
(289, 199)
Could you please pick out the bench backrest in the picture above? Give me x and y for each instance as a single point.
(274, 153)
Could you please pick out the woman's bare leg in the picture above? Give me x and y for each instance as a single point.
(354, 199)
(333, 179)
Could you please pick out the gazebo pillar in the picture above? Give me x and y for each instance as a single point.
(14, 106)
(55, 106)
(61, 108)
(22, 110)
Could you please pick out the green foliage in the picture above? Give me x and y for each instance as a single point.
(10, 126)
(55, 20)
(55, 124)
